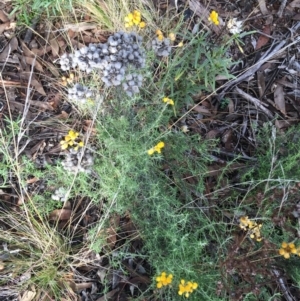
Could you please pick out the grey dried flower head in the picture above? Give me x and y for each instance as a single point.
(65, 62)
(59, 194)
(132, 83)
(73, 161)
(161, 47)
(111, 59)
(80, 93)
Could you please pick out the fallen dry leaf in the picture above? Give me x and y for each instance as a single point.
(60, 214)
(263, 7)
(231, 106)
(26, 50)
(283, 124)
(41, 105)
(28, 296)
(38, 87)
(54, 47)
(212, 134)
(3, 16)
(202, 110)
(32, 180)
(4, 27)
(77, 27)
(263, 40)
(33, 62)
(279, 98)
(108, 295)
(82, 286)
(10, 47)
(261, 83)
(293, 4)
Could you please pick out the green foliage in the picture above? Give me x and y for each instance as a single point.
(29, 10)
(195, 67)
(154, 188)
(164, 193)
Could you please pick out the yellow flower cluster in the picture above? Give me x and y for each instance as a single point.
(134, 18)
(71, 140)
(67, 80)
(213, 17)
(287, 249)
(186, 288)
(251, 226)
(169, 101)
(163, 280)
(159, 34)
(172, 37)
(157, 148)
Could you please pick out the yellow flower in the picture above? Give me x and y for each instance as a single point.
(157, 148)
(142, 24)
(151, 151)
(186, 288)
(163, 280)
(134, 18)
(180, 44)
(169, 101)
(67, 80)
(70, 140)
(185, 129)
(159, 34)
(172, 36)
(287, 249)
(213, 17)
(254, 228)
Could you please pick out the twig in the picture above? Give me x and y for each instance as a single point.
(283, 285)
(255, 101)
(267, 56)
(281, 8)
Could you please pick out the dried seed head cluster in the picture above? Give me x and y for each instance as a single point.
(81, 161)
(163, 280)
(80, 93)
(59, 195)
(157, 148)
(254, 228)
(186, 288)
(287, 249)
(71, 141)
(234, 26)
(161, 46)
(111, 59)
(132, 83)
